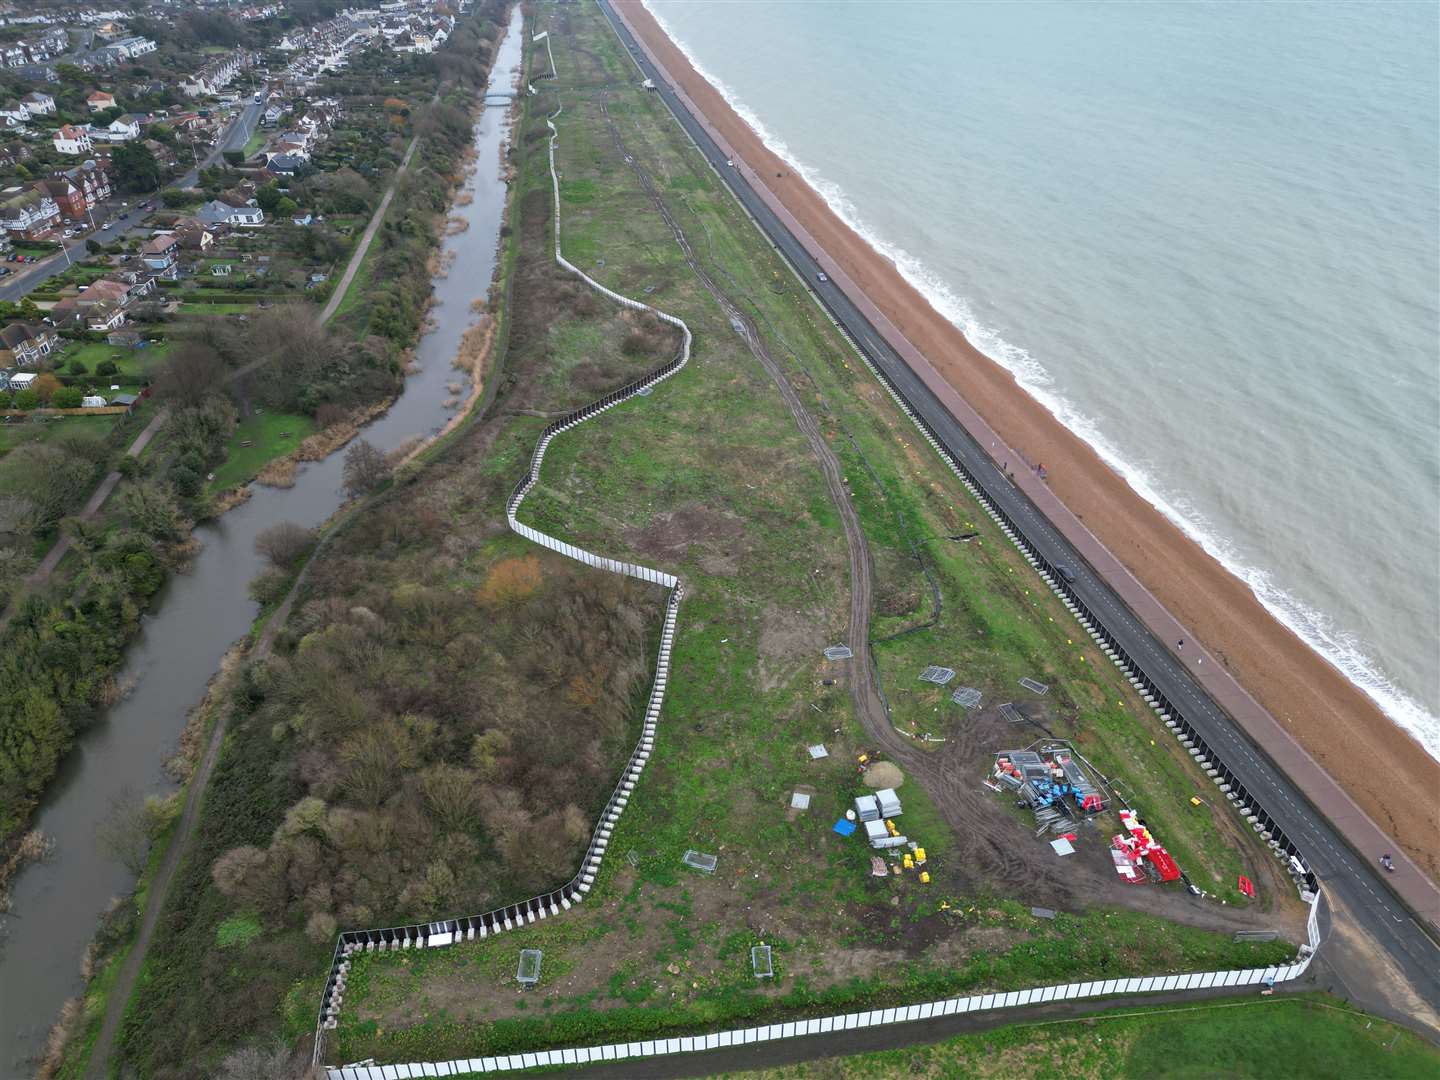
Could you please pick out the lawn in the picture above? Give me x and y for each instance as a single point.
(269, 436)
(214, 309)
(134, 364)
(710, 477)
(254, 143)
(80, 427)
(1283, 1038)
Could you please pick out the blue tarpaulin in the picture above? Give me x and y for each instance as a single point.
(844, 828)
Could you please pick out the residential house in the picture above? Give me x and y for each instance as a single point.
(13, 153)
(161, 253)
(104, 316)
(100, 100)
(27, 214)
(72, 141)
(13, 113)
(38, 104)
(272, 115)
(124, 128)
(92, 180)
(285, 164)
(218, 212)
(194, 235)
(215, 75)
(69, 198)
(29, 343)
(78, 311)
(128, 48)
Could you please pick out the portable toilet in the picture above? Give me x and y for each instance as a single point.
(889, 802)
(868, 807)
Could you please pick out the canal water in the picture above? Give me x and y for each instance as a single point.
(199, 614)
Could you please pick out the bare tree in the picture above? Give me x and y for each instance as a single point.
(130, 827)
(17, 514)
(192, 374)
(366, 468)
(272, 1061)
(284, 542)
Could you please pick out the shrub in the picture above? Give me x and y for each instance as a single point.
(107, 367)
(284, 543)
(67, 397)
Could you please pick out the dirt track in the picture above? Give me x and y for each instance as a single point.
(994, 850)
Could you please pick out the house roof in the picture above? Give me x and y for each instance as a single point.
(17, 333)
(158, 245)
(71, 132)
(101, 95)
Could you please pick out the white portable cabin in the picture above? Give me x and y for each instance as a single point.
(867, 808)
(889, 802)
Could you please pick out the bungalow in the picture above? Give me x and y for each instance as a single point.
(100, 100)
(72, 140)
(217, 212)
(27, 214)
(38, 104)
(29, 343)
(161, 253)
(76, 311)
(285, 164)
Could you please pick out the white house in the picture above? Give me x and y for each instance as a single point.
(38, 104)
(124, 128)
(72, 140)
(100, 100)
(13, 113)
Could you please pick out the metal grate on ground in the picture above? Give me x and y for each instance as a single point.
(838, 652)
(1010, 713)
(698, 860)
(966, 697)
(1035, 687)
(937, 675)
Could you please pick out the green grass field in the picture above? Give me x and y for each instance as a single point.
(270, 435)
(134, 364)
(215, 309)
(1284, 1038)
(77, 427)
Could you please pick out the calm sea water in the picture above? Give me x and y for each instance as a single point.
(1204, 235)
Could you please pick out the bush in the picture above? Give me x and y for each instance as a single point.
(77, 367)
(284, 543)
(67, 397)
(26, 399)
(107, 367)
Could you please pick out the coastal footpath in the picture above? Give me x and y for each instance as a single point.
(1386, 771)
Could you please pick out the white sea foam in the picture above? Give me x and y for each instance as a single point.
(1340, 649)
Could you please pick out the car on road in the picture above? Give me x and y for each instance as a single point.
(106, 224)
(1065, 572)
(821, 276)
(4, 270)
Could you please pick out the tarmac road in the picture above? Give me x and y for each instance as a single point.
(21, 282)
(1359, 886)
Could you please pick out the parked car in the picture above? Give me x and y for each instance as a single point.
(106, 224)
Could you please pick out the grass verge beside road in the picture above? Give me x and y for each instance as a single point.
(1310, 1037)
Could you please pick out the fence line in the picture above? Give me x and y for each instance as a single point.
(512, 916)
(974, 1003)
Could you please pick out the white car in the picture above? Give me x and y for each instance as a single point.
(106, 224)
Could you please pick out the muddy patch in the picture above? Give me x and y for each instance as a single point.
(671, 533)
(787, 637)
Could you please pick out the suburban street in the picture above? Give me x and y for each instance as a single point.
(234, 137)
(1355, 886)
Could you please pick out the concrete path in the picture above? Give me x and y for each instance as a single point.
(343, 285)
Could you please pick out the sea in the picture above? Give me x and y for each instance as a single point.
(1205, 235)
